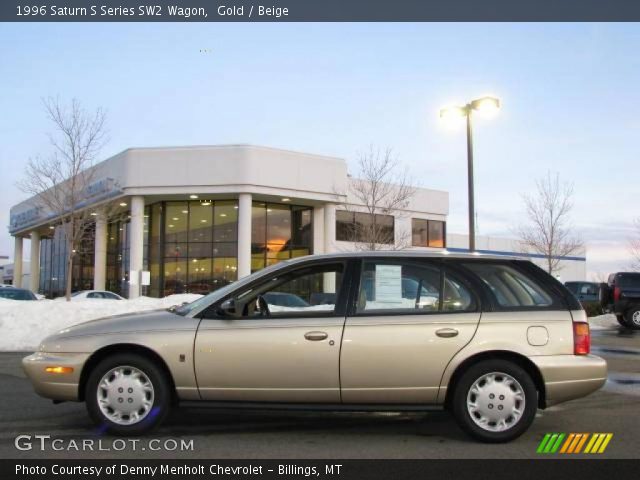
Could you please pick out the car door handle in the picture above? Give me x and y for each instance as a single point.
(447, 332)
(316, 336)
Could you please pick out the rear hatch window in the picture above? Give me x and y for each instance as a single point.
(629, 280)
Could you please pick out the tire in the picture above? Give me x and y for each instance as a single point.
(622, 321)
(632, 318)
(506, 376)
(137, 382)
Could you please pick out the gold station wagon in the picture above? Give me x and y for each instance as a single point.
(490, 339)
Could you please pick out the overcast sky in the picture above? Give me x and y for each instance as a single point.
(570, 104)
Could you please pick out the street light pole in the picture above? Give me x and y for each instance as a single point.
(484, 104)
(472, 209)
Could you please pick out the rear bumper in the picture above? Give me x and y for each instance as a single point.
(52, 385)
(567, 377)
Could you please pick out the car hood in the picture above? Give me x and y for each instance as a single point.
(154, 320)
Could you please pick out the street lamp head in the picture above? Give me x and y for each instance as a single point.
(486, 106)
(451, 114)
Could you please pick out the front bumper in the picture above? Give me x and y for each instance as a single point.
(567, 377)
(55, 385)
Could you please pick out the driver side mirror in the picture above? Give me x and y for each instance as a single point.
(227, 308)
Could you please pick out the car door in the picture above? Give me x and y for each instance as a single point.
(411, 317)
(260, 351)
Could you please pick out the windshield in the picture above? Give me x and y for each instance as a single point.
(16, 294)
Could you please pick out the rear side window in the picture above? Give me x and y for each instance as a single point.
(410, 287)
(511, 287)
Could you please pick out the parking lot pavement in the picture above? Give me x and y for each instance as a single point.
(252, 434)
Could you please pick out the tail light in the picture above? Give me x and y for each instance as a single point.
(616, 294)
(581, 338)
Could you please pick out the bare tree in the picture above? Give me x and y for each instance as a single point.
(634, 246)
(59, 182)
(380, 186)
(548, 231)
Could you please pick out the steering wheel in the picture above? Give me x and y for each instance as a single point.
(263, 306)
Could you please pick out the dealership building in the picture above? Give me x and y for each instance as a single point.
(193, 219)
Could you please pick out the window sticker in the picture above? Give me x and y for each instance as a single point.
(388, 284)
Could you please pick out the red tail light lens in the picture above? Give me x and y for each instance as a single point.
(581, 338)
(616, 294)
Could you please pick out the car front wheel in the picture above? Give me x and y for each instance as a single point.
(622, 321)
(632, 318)
(127, 394)
(495, 401)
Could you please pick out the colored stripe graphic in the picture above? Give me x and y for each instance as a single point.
(581, 443)
(607, 439)
(573, 443)
(543, 443)
(567, 442)
(555, 447)
(550, 443)
(598, 442)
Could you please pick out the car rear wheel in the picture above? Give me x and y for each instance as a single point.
(632, 318)
(495, 401)
(127, 394)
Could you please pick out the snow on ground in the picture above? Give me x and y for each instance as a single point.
(603, 322)
(24, 324)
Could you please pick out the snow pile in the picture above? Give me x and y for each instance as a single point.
(24, 324)
(603, 322)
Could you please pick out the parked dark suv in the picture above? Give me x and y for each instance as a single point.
(621, 296)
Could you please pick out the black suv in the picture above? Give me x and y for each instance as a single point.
(621, 296)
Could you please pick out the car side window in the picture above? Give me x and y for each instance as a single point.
(457, 297)
(307, 292)
(93, 295)
(409, 286)
(511, 287)
(588, 289)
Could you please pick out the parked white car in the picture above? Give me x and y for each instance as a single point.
(99, 294)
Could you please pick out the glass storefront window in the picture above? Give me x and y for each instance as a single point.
(155, 254)
(200, 222)
(279, 232)
(176, 222)
(225, 215)
(118, 256)
(278, 225)
(200, 236)
(175, 276)
(53, 264)
(189, 246)
(301, 230)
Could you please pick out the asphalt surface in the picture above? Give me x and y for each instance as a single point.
(209, 433)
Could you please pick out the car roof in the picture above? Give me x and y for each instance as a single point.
(406, 254)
